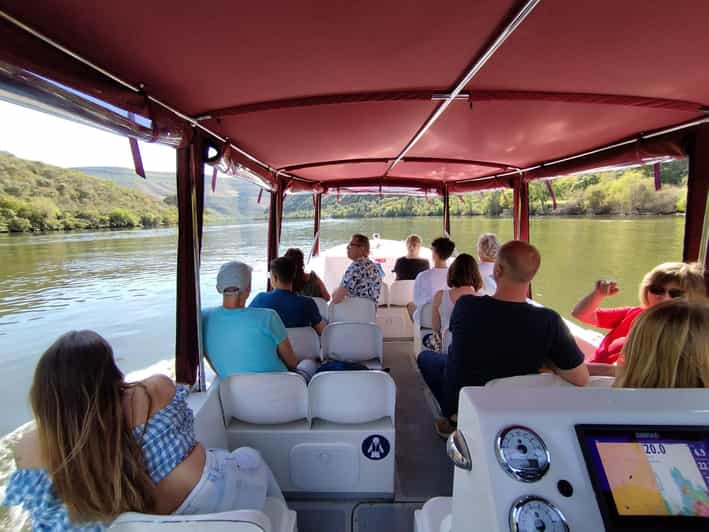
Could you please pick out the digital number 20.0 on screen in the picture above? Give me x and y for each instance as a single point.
(651, 448)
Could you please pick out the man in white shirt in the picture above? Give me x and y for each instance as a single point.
(431, 281)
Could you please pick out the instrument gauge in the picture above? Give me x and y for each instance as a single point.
(522, 453)
(534, 514)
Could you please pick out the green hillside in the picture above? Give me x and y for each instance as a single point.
(234, 198)
(40, 197)
(619, 192)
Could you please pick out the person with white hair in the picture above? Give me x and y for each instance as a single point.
(238, 339)
(488, 246)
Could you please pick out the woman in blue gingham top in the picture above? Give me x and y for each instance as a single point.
(103, 447)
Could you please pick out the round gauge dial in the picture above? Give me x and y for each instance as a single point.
(534, 514)
(522, 453)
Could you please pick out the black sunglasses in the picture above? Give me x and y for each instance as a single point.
(661, 291)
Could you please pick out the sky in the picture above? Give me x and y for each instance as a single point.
(41, 137)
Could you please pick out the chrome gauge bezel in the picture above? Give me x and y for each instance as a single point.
(523, 475)
(520, 503)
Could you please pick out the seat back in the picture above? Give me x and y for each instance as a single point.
(383, 295)
(322, 306)
(353, 309)
(305, 342)
(352, 396)
(353, 341)
(401, 293)
(546, 380)
(426, 316)
(264, 398)
(234, 521)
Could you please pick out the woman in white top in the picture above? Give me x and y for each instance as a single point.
(488, 246)
(463, 279)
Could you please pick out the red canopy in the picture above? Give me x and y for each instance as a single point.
(331, 93)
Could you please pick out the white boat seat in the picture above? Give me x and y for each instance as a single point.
(358, 309)
(401, 293)
(383, 295)
(275, 517)
(354, 342)
(352, 396)
(305, 342)
(264, 398)
(422, 326)
(547, 380)
(426, 316)
(322, 306)
(435, 516)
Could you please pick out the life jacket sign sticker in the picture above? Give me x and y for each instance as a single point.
(375, 447)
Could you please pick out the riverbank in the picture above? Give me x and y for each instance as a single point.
(629, 192)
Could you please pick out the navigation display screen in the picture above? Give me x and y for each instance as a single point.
(646, 475)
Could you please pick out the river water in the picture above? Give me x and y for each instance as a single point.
(122, 283)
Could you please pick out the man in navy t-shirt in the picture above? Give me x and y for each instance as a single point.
(294, 310)
(501, 336)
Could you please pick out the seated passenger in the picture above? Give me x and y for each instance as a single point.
(243, 340)
(668, 347)
(666, 281)
(306, 284)
(431, 281)
(362, 277)
(488, 246)
(294, 310)
(408, 267)
(463, 280)
(103, 446)
(501, 336)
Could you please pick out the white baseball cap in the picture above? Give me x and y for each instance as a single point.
(234, 275)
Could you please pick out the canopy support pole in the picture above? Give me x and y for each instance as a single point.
(316, 223)
(446, 211)
(520, 200)
(189, 356)
(275, 215)
(696, 239)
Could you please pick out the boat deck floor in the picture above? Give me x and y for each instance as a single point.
(423, 469)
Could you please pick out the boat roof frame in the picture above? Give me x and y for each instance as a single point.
(41, 66)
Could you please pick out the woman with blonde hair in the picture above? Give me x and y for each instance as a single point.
(668, 347)
(103, 446)
(408, 267)
(666, 281)
(488, 246)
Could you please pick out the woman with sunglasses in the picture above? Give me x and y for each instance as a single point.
(667, 281)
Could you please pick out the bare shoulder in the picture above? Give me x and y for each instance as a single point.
(144, 398)
(28, 454)
(161, 389)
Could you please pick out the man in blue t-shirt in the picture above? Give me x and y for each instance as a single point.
(294, 310)
(243, 340)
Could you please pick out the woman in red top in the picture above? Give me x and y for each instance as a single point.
(666, 281)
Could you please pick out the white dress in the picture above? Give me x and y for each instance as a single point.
(489, 284)
(444, 311)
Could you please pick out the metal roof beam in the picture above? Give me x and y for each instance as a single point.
(477, 66)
